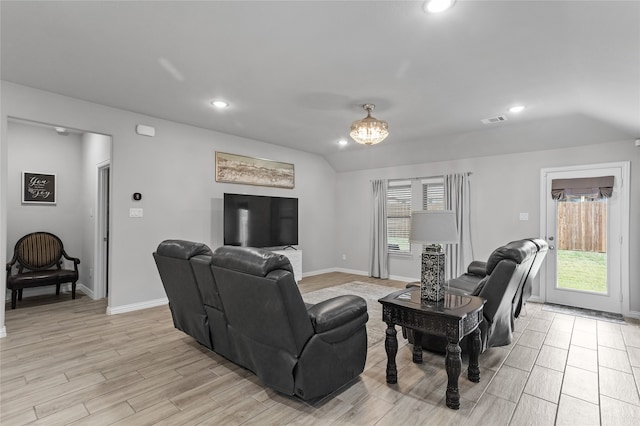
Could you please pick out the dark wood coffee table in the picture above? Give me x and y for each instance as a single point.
(454, 317)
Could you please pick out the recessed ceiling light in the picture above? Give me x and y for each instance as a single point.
(60, 129)
(342, 142)
(437, 6)
(220, 104)
(517, 108)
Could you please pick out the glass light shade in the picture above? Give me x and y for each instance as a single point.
(433, 227)
(369, 130)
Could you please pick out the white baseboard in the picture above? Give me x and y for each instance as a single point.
(351, 271)
(406, 279)
(86, 290)
(318, 272)
(363, 273)
(3, 332)
(136, 306)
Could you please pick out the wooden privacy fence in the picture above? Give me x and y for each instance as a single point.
(582, 226)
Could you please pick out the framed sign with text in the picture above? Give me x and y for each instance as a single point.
(38, 188)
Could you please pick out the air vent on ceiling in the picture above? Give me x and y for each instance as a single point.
(496, 119)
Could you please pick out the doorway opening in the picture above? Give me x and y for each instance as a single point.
(81, 162)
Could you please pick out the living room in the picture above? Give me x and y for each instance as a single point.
(175, 173)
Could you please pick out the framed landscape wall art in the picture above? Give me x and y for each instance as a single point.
(38, 188)
(232, 168)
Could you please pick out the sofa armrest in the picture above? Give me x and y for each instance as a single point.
(75, 260)
(336, 311)
(10, 264)
(477, 267)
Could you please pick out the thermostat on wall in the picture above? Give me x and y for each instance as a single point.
(137, 196)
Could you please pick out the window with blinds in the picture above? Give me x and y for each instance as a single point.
(399, 216)
(432, 195)
(400, 205)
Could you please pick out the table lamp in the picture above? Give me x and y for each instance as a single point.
(433, 228)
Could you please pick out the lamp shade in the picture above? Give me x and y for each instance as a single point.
(433, 227)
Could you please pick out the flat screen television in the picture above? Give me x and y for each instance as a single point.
(260, 221)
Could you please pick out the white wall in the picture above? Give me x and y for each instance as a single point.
(40, 149)
(174, 171)
(502, 187)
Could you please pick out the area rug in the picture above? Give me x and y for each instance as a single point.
(584, 313)
(369, 292)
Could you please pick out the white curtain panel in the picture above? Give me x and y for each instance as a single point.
(379, 257)
(457, 198)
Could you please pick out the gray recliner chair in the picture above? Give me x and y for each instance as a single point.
(503, 281)
(293, 348)
(248, 304)
(477, 270)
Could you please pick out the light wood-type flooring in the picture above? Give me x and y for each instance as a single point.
(66, 362)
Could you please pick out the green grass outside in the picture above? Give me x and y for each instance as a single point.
(582, 270)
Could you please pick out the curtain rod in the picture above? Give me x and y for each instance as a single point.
(422, 177)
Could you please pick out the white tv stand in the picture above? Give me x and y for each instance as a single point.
(295, 257)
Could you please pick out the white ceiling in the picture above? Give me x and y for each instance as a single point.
(296, 73)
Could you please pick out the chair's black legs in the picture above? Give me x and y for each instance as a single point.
(57, 289)
(73, 290)
(14, 295)
(20, 294)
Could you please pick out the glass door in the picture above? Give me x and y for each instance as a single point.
(583, 266)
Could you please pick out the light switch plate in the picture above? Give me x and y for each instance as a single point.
(135, 212)
(524, 216)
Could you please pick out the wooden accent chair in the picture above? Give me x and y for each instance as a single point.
(39, 263)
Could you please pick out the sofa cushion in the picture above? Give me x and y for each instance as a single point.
(182, 249)
(38, 250)
(477, 267)
(38, 278)
(467, 283)
(249, 260)
(517, 251)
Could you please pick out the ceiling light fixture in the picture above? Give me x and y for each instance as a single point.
(369, 130)
(437, 6)
(343, 142)
(516, 109)
(220, 104)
